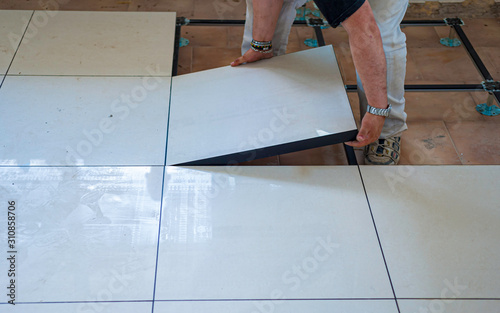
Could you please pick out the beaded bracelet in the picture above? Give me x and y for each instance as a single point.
(262, 46)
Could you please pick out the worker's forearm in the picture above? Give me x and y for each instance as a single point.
(265, 17)
(368, 54)
(369, 60)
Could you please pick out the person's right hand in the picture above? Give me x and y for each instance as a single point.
(251, 56)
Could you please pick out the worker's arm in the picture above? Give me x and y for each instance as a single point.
(265, 18)
(369, 60)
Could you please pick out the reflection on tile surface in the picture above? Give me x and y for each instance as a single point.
(102, 307)
(84, 121)
(300, 96)
(278, 306)
(305, 231)
(83, 234)
(97, 43)
(439, 228)
(12, 27)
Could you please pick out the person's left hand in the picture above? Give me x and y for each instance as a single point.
(251, 56)
(371, 128)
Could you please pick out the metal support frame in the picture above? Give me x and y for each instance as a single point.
(454, 23)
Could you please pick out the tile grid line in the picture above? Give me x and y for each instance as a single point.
(88, 75)
(244, 300)
(215, 300)
(158, 241)
(17, 49)
(161, 200)
(79, 166)
(378, 238)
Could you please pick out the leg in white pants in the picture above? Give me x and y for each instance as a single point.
(285, 21)
(389, 14)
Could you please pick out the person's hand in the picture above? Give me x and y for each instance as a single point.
(371, 128)
(251, 56)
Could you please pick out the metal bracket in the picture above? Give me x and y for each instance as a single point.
(491, 85)
(452, 21)
(302, 12)
(489, 108)
(451, 41)
(315, 22)
(182, 21)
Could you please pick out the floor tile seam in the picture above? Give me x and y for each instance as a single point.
(378, 237)
(75, 302)
(168, 120)
(81, 166)
(255, 299)
(450, 299)
(17, 49)
(270, 299)
(161, 199)
(158, 240)
(87, 76)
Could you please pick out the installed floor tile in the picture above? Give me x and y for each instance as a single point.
(83, 234)
(97, 43)
(11, 31)
(284, 104)
(303, 232)
(83, 121)
(449, 305)
(279, 306)
(103, 307)
(439, 228)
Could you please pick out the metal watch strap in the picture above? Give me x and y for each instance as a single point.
(379, 112)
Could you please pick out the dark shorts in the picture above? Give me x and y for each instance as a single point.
(337, 11)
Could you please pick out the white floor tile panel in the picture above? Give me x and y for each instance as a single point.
(99, 307)
(439, 228)
(12, 26)
(82, 234)
(278, 306)
(234, 112)
(83, 120)
(97, 43)
(268, 232)
(449, 306)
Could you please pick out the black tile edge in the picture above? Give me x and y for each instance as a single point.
(254, 154)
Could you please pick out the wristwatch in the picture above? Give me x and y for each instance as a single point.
(379, 112)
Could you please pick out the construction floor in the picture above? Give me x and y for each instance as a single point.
(444, 127)
(300, 237)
